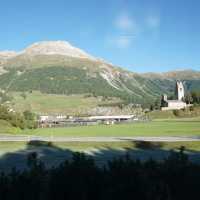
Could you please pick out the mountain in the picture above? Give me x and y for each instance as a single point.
(5, 55)
(179, 74)
(190, 78)
(55, 48)
(57, 67)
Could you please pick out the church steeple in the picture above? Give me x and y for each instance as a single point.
(180, 93)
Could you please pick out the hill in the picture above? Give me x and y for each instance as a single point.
(60, 68)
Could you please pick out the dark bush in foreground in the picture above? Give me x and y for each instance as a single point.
(81, 179)
(148, 145)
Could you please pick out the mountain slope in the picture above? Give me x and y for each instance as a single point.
(59, 68)
(190, 78)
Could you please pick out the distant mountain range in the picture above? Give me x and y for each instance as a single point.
(57, 67)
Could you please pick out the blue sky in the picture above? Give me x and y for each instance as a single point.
(140, 35)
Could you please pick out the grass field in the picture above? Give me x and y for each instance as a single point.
(51, 103)
(14, 154)
(186, 119)
(10, 147)
(154, 128)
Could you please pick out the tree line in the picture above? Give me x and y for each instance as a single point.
(193, 97)
(20, 120)
(124, 178)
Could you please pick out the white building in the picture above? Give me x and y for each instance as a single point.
(45, 118)
(180, 93)
(175, 104)
(113, 118)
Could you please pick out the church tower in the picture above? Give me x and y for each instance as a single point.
(180, 90)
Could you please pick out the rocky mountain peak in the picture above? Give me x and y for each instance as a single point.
(55, 48)
(4, 55)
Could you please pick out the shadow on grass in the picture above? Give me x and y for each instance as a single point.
(52, 155)
(48, 153)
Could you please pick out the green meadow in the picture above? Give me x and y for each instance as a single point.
(51, 103)
(167, 127)
(153, 128)
(57, 150)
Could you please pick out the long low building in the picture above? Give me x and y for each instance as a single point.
(174, 105)
(112, 117)
(53, 121)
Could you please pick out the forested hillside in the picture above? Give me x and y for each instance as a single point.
(59, 68)
(62, 80)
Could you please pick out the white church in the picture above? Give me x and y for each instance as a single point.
(175, 104)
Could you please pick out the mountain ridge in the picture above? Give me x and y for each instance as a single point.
(61, 48)
(58, 67)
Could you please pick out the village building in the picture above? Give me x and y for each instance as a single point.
(177, 103)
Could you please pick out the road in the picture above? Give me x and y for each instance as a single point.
(27, 138)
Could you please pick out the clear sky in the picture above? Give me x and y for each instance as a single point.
(140, 35)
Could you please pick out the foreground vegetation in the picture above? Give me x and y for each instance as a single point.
(80, 178)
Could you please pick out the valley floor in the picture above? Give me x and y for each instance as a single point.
(141, 140)
(155, 128)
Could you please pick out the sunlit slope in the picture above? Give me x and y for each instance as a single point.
(59, 68)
